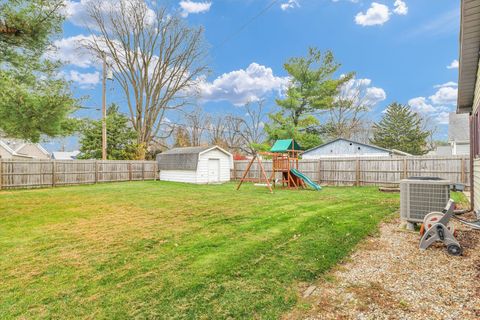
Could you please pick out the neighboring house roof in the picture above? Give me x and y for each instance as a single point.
(16, 146)
(65, 155)
(351, 141)
(7, 147)
(184, 158)
(442, 151)
(285, 145)
(469, 49)
(458, 127)
(400, 153)
(393, 151)
(12, 151)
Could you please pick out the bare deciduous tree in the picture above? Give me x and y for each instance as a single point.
(218, 131)
(155, 56)
(347, 116)
(233, 139)
(249, 130)
(197, 123)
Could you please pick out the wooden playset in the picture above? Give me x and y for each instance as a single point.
(285, 155)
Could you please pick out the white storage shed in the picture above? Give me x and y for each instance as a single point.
(195, 165)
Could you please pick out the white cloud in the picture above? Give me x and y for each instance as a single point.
(85, 80)
(362, 91)
(375, 95)
(77, 12)
(377, 14)
(69, 51)
(442, 117)
(445, 96)
(453, 64)
(446, 84)
(400, 7)
(290, 4)
(242, 86)
(446, 23)
(421, 105)
(191, 7)
(438, 105)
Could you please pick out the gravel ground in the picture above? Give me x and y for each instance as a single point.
(388, 277)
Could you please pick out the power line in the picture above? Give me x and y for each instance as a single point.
(242, 27)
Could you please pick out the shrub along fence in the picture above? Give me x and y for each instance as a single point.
(371, 171)
(18, 174)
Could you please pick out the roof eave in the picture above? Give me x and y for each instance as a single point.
(468, 56)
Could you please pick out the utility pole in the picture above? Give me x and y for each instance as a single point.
(104, 108)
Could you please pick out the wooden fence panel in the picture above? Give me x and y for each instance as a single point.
(372, 171)
(18, 174)
(331, 171)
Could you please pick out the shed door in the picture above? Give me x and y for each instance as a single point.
(213, 170)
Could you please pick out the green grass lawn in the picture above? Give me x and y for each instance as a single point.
(171, 250)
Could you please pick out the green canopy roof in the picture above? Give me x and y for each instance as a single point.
(285, 145)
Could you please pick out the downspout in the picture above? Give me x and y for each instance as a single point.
(473, 139)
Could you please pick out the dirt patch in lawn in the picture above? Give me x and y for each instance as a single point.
(388, 277)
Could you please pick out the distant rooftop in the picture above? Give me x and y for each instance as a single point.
(65, 155)
(458, 127)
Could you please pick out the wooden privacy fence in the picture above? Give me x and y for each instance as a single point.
(17, 174)
(371, 171)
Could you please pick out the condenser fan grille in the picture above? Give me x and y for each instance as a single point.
(419, 198)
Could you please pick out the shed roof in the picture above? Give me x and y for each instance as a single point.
(285, 145)
(183, 158)
(187, 150)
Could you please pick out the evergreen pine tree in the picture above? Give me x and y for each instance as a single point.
(121, 138)
(401, 129)
(34, 100)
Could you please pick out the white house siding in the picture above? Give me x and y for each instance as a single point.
(476, 182)
(225, 165)
(189, 176)
(461, 148)
(476, 160)
(342, 148)
(4, 154)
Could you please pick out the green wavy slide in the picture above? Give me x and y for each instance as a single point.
(307, 180)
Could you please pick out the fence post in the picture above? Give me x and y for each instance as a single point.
(96, 171)
(54, 169)
(463, 173)
(155, 171)
(405, 168)
(234, 170)
(143, 170)
(319, 171)
(129, 171)
(1, 174)
(357, 172)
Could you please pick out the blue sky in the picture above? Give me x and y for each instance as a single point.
(401, 51)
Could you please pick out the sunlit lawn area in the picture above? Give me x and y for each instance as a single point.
(171, 250)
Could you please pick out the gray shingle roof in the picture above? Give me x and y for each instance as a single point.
(187, 150)
(180, 158)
